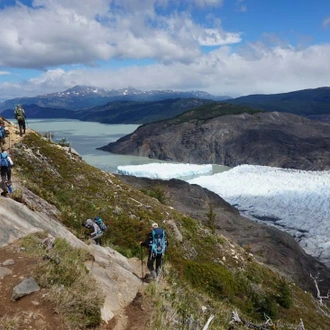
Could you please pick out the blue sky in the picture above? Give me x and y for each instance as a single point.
(223, 47)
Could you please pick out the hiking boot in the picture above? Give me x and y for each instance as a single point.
(153, 274)
(4, 193)
(148, 278)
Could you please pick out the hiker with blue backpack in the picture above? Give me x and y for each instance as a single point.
(98, 227)
(5, 168)
(156, 243)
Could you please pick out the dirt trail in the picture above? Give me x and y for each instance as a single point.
(35, 312)
(14, 136)
(136, 315)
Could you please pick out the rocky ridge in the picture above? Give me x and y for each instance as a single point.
(265, 138)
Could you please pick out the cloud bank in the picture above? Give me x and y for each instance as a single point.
(52, 45)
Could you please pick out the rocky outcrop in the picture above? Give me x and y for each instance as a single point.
(271, 246)
(265, 138)
(112, 270)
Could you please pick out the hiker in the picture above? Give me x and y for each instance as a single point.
(151, 244)
(5, 167)
(20, 117)
(2, 133)
(10, 165)
(97, 232)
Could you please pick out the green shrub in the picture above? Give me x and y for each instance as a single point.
(158, 193)
(284, 294)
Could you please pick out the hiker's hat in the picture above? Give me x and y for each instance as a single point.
(154, 225)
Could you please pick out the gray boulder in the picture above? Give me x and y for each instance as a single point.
(23, 289)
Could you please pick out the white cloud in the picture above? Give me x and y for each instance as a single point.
(67, 34)
(214, 37)
(326, 23)
(206, 3)
(220, 72)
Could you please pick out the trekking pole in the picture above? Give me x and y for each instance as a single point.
(141, 261)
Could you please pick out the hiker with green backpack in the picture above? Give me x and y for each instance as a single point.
(20, 117)
(156, 243)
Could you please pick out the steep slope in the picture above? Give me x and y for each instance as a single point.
(18, 221)
(204, 272)
(212, 135)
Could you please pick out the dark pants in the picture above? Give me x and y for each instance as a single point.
(9, 174)
(4, 173)
(151, 262)
(97, 238)
(21, 124)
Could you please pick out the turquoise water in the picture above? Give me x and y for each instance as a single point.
(85, 137)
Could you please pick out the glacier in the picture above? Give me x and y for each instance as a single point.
(294, 201)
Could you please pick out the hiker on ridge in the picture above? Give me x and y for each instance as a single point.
(20, 117)
(2, 133)
(156, 243)
(5, 164)
(97, 232)
(10, 165)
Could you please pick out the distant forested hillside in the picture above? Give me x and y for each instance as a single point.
(130, 112)
(308, 102)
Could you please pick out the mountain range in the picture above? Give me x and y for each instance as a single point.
(131, 106)
(84, 97)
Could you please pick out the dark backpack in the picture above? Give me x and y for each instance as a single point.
(4, 160)
(158, 244)
(100, 223)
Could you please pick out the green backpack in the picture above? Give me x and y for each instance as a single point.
(19, 114)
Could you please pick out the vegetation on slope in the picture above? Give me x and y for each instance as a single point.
(202, 269)
(212, 110)
(132, 112)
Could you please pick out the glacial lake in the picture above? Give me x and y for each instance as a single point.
(85, 137)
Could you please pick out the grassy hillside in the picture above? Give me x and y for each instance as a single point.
(202, 269)
(212, 110)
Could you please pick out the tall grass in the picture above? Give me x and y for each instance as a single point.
(73, 292)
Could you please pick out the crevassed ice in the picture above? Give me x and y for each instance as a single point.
(294, 200)
(164, 171)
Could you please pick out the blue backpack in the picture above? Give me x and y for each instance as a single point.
(4, 160)
(2, 132)
(100, 223)
(158, 244)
